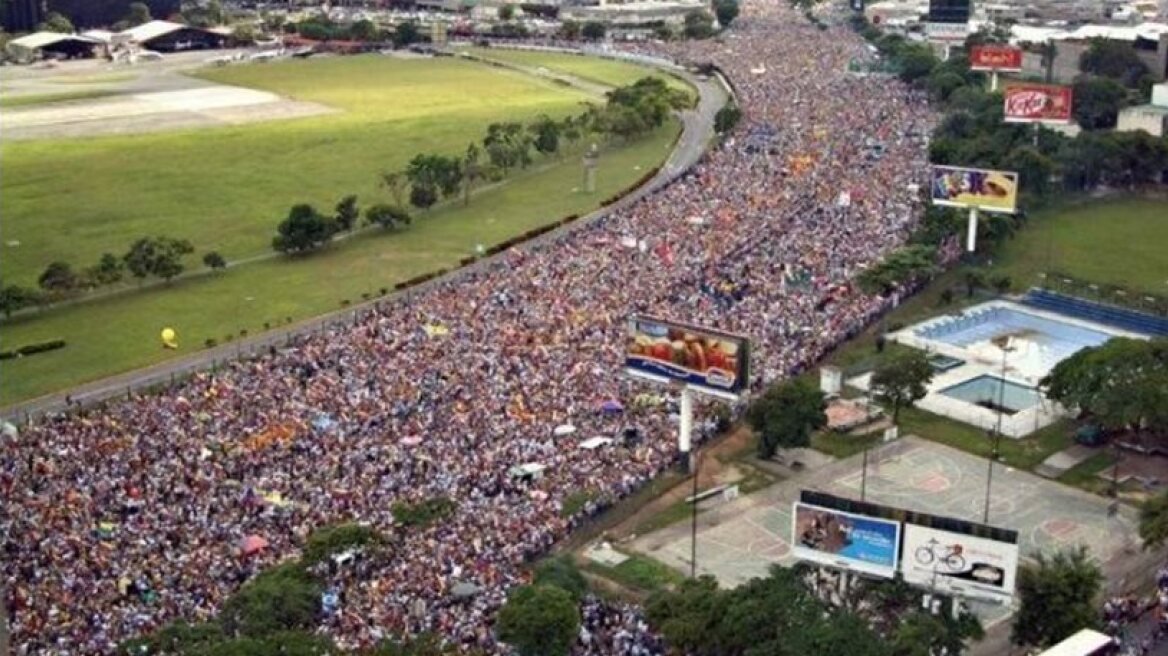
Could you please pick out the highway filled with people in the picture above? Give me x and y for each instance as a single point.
(123, 518)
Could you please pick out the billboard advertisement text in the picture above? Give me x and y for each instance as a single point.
(707, 359)
(839, 539)
(956, 186)
(1037, 103)
(1006, 59)
(958, 563)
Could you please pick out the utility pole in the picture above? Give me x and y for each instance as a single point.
(1004, 344)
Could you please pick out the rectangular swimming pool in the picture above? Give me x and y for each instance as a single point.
(987, 390)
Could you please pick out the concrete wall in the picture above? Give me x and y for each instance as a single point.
(1152, 120)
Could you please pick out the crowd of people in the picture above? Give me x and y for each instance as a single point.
(1123, 615)
(119, 520)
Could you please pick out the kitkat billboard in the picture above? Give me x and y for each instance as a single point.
(1037, 103)
(1004, 59)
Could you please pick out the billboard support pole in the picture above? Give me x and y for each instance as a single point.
(994, 81)
(685, 426)
(864, 477)
(971, 236)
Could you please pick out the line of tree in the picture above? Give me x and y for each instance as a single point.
(148, 257)
(628, 113)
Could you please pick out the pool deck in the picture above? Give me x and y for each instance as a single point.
(1022, 368)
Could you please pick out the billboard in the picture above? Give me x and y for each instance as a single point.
(958, 563)
(707, 359)
(948, 11)
(957, 186)
(1000, 58)
(836, 538)
(1030, 102)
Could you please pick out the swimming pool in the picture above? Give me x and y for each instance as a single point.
(987, 390)
(1053, 340)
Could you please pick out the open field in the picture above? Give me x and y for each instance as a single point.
(122, 331)
(603, 71)
(1119, 242)
(226, 188)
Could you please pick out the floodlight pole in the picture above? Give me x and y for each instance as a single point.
(971, 235)
(997, 433)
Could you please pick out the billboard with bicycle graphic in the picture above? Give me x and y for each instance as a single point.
(958, 563)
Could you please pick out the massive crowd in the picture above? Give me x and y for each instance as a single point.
(119, 520)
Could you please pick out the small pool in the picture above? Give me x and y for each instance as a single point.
(986, 391)
(941, 362)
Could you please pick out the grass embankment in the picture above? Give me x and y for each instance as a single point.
(394, 109)
(593, 69)
(37, 99)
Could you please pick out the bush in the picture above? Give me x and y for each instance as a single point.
(210, 342)
(423, 513)
(337, 538)
(33, 349)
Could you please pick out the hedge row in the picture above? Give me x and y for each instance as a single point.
(33, 349)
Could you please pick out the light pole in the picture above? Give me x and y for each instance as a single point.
(1002, 343)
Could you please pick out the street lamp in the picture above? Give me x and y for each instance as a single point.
(1003, 343)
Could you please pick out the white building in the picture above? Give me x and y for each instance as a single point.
(1151, 118)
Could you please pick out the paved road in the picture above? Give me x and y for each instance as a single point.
(698, 130)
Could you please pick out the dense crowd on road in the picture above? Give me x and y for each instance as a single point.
(1124, 619)
(121, 519)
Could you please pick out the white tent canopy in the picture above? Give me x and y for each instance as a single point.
(595, 443)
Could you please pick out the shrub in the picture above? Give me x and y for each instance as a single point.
(210, 342)
(33, 349)
(384, 291)
(423, 513)
(329, 540)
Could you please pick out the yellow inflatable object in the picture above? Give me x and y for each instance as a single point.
(169, 338)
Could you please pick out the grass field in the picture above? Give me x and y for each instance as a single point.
(226, 189)
(31, 99)
(602, 71)
(123, 330)
(1118, 242)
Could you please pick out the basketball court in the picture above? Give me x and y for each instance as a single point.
(742, 539)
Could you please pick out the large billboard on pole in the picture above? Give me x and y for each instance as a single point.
(958, 563)
(709, 360)
(1029, 102)
(985, 189)
(1004, 59)
(849, 541)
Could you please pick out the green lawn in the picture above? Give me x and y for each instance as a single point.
(226, 188)
(602, 71)
(1086, 474)
(839, 445)
(122, 331)
(1112, 242)
(640, 573)
(28, 100)
(1025, 453)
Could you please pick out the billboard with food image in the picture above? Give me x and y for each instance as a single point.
(704, 358)
(1029, 102)
(846, 540)
(957, 186)
(958, 563)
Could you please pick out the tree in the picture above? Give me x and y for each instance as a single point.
(1114, 59)
(539, 620)
(304, 230)
(698, 25)
(396, 183)
(435, 172)
(900, 379)
(973, 279)
(1058, 597)
(506, 12)
(214, 261)
(903, 267)
(406, 33)
(58, 278)
(107, 271)
(726, 11)
(1122, 384)
(471, 170)
(1154, 521)
(507, 146)
(243, 34)
(334, 539)
(347, 214)
(364, 30)
(1034, 169)
(546, 133)
(570, 30)
(14, 298)
(423, 196)
(157, 256)
(1097, 102)
(786, 415)
(139, 14)
(56, 22)
(593, 30)
(283, 598)
(561, 572)
(916, 62)
(727, 118)
(387, 216)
